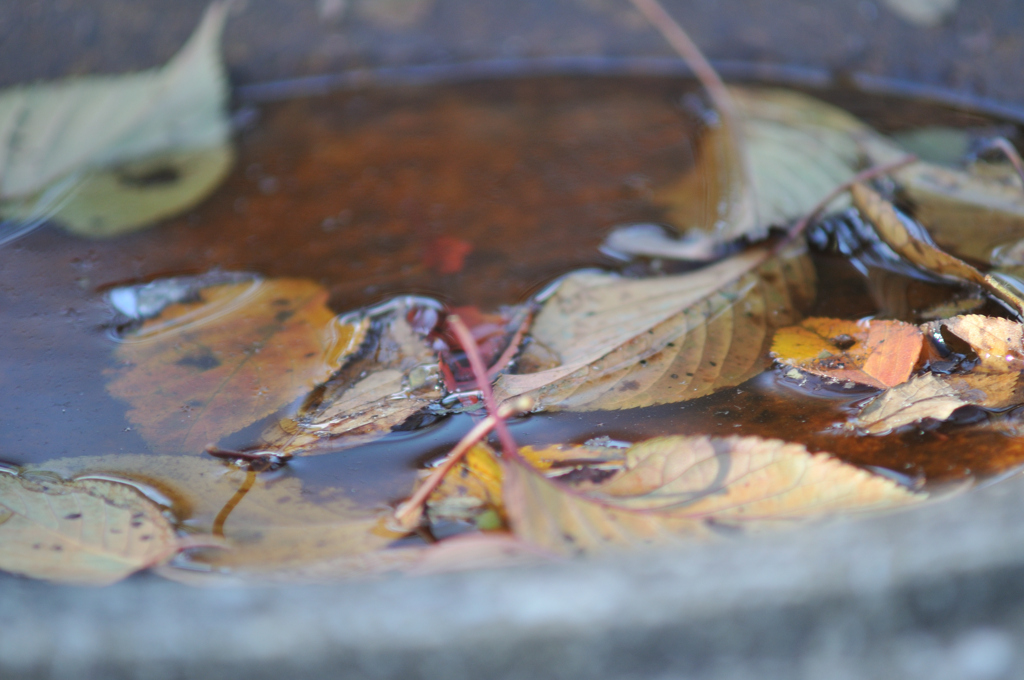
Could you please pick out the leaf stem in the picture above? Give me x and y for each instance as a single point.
(476, 362)
(684, 46)
(407, 514)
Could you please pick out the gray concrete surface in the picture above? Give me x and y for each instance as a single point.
(937, 592)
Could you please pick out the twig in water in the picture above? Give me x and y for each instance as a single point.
(476, 362)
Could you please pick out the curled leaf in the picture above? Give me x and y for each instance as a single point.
(675, 487)
(915, 244)
(204, 368)
(85, 532)
(876, 353)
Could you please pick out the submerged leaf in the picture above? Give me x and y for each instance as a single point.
(676, 487)
(393, 377)
(86, 532)
(619, 343)
(876, 353)
(104, 154)
(205, 368)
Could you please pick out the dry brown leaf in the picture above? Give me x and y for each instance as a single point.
(394, 377)
(916, 245)
(997, 342)
(877, 353)
(675, 487)
(86, 532)
(995, 383)
(203, 369)
(621, 343)
(277, 527)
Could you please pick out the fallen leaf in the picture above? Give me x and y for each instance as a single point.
(624, 343)
(877, 353)
(105, 154)
(996, 341)
(797, 157)
(277, 527)
(393, 377)
(915, 244)
(692, 487)
(85, 532)
(967, 212)
(204, 368)
(995, 383)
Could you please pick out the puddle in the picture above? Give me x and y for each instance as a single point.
(473, 193)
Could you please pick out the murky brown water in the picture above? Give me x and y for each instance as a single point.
(364, 192)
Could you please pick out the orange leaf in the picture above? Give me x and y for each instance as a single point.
(876, 353)
(201, 370)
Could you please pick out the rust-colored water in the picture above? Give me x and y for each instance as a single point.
(368, 193)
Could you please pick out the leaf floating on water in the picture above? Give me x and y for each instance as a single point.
(205, 368)
(106, 154)
(693, 487)
(278, 527)
(876, 353)
(394, 376)
(615, 343)
(994, 383)
(86, 532)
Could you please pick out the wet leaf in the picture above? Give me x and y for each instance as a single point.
(693, 487)
(605, 342)
(393, 377)
(105, 154)
(85, 532)
(275, 527)
(205, 368)
(876, 353)
(994, 383)
(797, 156)
(915, 244)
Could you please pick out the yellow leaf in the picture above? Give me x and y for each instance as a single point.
(687, 487)
(876, 353)
(204, 369)
(85, 532)
(622, 343)
(275, 528)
